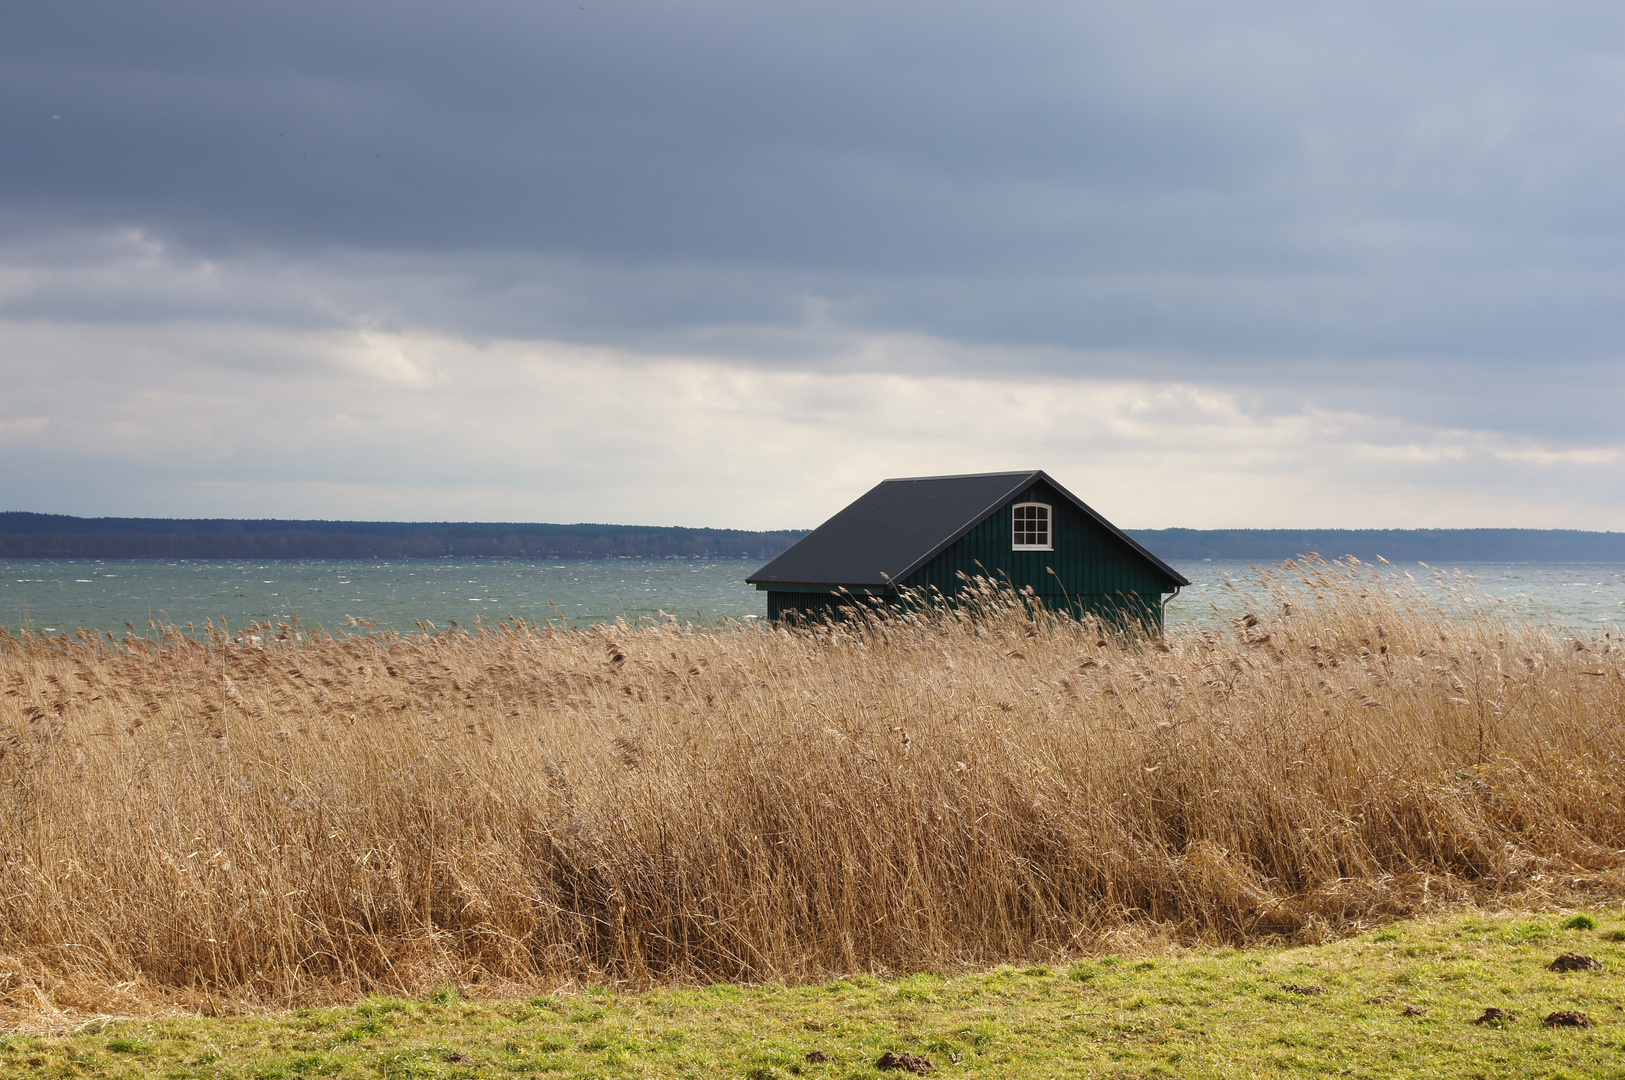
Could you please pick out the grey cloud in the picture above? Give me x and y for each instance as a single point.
(854, 137)
(732, 133)
(1277, 341)
(1411, 209)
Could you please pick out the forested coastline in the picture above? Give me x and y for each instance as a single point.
(1395, 545)
(59, 536)
(56, 536)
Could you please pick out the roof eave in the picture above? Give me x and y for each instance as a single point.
(1173, 575)
(1023, 479)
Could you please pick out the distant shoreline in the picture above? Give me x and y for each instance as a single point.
(59, 536)
(1395, 545)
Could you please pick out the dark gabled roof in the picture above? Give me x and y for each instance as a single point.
(900, 525)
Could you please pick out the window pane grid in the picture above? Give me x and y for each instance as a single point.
(1031, 525)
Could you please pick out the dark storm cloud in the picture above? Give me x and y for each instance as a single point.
(861, 138)
(1349, 200)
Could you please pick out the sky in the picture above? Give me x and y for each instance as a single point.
(1235, 265)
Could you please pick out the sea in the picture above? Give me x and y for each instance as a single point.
(55, 596)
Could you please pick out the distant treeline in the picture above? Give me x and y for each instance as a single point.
(58, 536)
(1395, 545)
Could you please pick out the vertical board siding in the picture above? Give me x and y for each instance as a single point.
(815, 606)
(1094, 571)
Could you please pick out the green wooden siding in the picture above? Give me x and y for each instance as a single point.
(1121, 611)
(814, 605)
(1088, 560)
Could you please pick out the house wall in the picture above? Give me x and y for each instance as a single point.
(1093, 570)
(807, 604)
(1122, 611)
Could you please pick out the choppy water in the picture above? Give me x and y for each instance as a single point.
(60, 595)
(1575, 594)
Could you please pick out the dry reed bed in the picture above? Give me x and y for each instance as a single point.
(274, 817)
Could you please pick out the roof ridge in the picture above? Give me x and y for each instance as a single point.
(902, 523)
(964, 476)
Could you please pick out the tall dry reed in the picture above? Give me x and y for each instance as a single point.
(270, 817)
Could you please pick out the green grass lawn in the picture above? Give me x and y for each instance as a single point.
(1211, 1013)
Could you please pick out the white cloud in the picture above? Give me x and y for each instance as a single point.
(233, 420)
(23, 428)
(1541, 455)
(384, 357)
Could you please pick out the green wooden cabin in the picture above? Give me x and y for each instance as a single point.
(924, 532)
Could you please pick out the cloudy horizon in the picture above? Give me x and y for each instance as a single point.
(1262, 266)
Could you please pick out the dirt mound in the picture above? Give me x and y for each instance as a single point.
(914, 1063)
(1568, 1018)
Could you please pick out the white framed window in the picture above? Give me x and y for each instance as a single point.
(1031, 527)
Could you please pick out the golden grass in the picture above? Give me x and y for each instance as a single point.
(276, 817)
